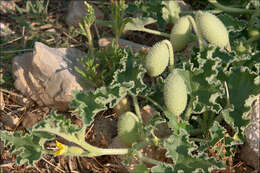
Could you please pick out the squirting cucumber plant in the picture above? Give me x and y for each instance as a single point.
(197, 98)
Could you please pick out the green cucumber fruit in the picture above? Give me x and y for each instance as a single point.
(128, 128)
(212, 29)
(181, 33)
(175, 93)
(157, 58)
(140, 168)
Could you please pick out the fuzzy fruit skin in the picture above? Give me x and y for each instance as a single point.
(140, 168)
(181, 33)
(212, 29)
(253, 32)
(175, 93)
(128, 128)
(157, 59)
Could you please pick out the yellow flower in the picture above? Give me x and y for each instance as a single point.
(62, 149)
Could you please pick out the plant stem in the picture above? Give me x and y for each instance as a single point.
(151, 31)
(231, 9)
(149, 160)
(195, 132)
(188, 111)
(197, 32)
(194, 12)
(92, 150)
(198, 140)
(137, 108)
(171, 55)
(90, 40)
(153, 102)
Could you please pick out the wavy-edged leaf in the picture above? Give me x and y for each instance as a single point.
(242, 87)
(218, 136)
(130, 76)
(139, 23)
(232, 23)
(27, 147)
(170, 11)
(180, 150)
(205, 88)
(126, 79)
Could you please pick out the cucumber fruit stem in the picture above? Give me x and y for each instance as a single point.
(137, 108)
(197, 32)
(171, 55)
(231, 9)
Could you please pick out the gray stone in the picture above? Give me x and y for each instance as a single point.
(77, 10)
(47, 75)
(251, 150)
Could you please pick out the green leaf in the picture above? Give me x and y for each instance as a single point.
(232, 23)
(88, 103)
(137, 24)
(162, 168)
(218, 136)
(130, 76)
(126, 79)
(170, 11)
(26, 146)
(242, 87)
(205, 88)
(181, 150)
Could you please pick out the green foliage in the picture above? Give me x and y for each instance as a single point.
(181, 149)
(127, 79)
(210, 70)
(118, 9)
(148, 8)
(38, 8)
(211, 86)
(139, 23)
(28, 147)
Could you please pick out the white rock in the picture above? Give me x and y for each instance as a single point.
(251, 150)
(47, 75)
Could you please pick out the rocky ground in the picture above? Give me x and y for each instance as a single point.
(32, 83)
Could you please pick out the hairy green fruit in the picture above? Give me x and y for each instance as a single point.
(123, 106)
(253, 32)
(157, 58)
(140, 168)
(181, 33)
(128, 128)
(175, 93)
(212, 29)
